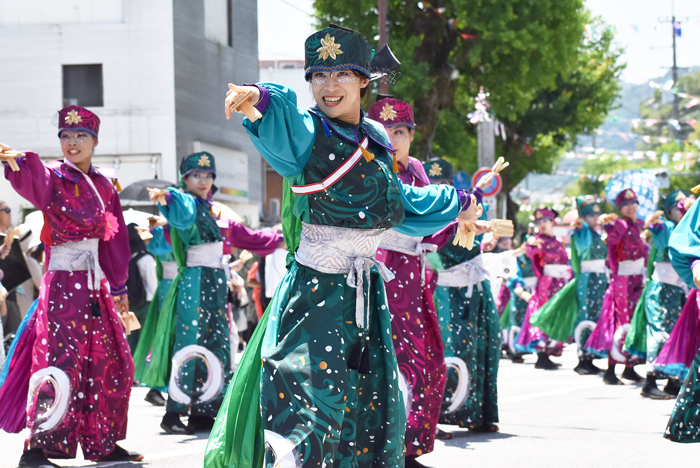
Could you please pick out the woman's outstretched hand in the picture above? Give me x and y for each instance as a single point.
(234, 91)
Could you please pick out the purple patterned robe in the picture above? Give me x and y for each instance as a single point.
(416, 334)
(86, 356)
(532, 339)
(624, 243)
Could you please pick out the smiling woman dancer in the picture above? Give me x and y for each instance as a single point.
(329, 386)
(73, 355)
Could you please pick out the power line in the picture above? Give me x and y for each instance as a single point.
(297, 8)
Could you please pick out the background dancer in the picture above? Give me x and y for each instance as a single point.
(74, 338)
(195, 315)
(627, 255)
(684, 423)
(469, 324)
(414, 323)
(663, 301)
(574, 311)
(550, 264)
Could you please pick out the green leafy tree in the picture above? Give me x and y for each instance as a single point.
(518, 48)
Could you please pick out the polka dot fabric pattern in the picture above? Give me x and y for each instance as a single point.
(94, 354)
(315, 410)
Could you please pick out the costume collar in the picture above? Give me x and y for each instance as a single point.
(374, 130)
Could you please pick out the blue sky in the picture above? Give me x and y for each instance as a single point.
(647, 51)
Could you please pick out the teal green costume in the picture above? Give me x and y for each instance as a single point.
(163, 253)
(574, 311)
(662, 305)
(684, 251)
(190, 349)
(328, 387)
(470, 329)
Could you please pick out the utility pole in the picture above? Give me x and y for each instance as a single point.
(674, 69)
(383, 84)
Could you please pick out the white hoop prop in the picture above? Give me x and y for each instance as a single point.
(61, 384)
(618, 342)
(284, 451)
(215, 374)
(578, 331)
(461, 394)
(406, 392)
(512, 335)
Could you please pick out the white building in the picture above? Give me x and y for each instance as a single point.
(156, 74)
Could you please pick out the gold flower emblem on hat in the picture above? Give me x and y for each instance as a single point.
(680, 196)
(73, 118)
(388, 112)
(596, 208)
(629, 194)
(329, 48)
(538, 215)
(435, 170)
(203, 161)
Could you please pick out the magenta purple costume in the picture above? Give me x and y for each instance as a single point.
(73, 354)
(414, 323)
(627, 255)
(550, 264)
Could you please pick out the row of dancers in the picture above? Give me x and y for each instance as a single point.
(349, 364)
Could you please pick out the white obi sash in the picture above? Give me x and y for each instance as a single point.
(554, 270)
(664, 273)
(631, 267)
(530, 283)
(336, 250)
(78, 256)
(169, 270)
(408, 245)
(593, 266)
(464, 275)
(210, 255)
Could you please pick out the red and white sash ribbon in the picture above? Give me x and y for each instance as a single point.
(335, 176)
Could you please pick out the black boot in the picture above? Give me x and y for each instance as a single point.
(543, 361)
(610, 378)
(442, 435)
(155, 398)
(673, 386)
(172, 425)
(119, 454)
(597, 369)
(650, 390)
(34, 458)
(630, 374)
(585, 366)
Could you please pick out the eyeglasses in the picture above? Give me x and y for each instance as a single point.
(319, 78)
(6, 210)
(199, 176)
(80, 137)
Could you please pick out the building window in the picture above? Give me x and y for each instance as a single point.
(218, 18)
(82, 85)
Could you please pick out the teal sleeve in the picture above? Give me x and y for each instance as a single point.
(285, 134)
(684, 244)
(158, 245)
(661, 233)
(181, 210)
(582, 239)
(428, 209)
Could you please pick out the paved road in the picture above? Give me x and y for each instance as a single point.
(548, 419)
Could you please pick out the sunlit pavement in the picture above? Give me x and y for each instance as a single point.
(548, 419)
